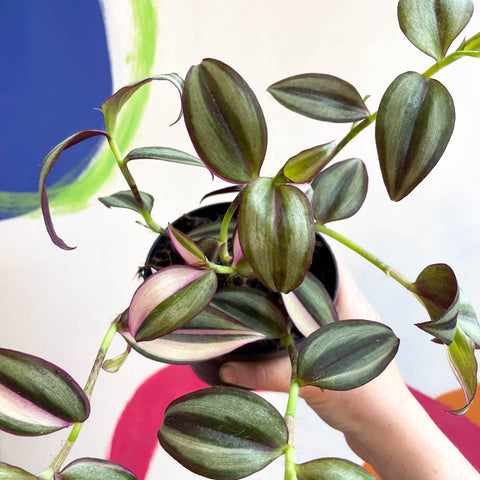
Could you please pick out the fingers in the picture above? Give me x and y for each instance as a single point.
(273, 375)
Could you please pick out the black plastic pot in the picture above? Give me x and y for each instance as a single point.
(201, 222)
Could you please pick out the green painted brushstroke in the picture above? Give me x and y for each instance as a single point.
(71, 194)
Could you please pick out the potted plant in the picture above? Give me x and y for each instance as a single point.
(258, 249)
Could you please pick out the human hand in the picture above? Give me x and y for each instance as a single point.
(382, 422)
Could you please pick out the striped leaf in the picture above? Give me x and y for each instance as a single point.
(48, 163)
(223, 433)
(168, 299)
(414, 124)
(331, 469)
(347, 354)
(94, 468)
(224, 121)
(340, 190)
(310, 306)
(438, 289)
(320, 96)
(9, 472)
(126, 199)
(163, 153)
(276, 233)
(432, 26)
(253, 308)
(305, 165)
(37, 397)
(210, 334)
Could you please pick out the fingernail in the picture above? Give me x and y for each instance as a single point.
(228, 373)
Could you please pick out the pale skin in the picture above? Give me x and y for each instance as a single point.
(382, 422)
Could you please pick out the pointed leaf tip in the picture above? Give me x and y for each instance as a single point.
(168, 299)
(321, 97)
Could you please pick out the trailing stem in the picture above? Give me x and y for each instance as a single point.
(387, 269)
(92, 378)
(290, 472)
(133, 187)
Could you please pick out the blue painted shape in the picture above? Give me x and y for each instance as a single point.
(55, 71)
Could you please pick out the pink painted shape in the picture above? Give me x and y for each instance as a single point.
(463, 433)
(135, 438)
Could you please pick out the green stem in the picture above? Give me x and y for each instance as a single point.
(453, 57)
(290, 472)
(223, 269)
(92, 378)
(223, 238)
(354, 132)
(389, 271)
(133, 187)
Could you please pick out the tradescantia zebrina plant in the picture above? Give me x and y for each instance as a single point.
(179, 315)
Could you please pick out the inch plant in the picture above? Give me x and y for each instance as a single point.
(178, 315)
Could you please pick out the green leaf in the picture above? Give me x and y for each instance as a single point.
(461, 356)
(126, 199)
(224, 121)
(438, 289)
(168, 299)
(223, 433)
(9, 472)
(347, 354)
(208, 335)
(320, 96)
(37, 397)
(331, 469)
(310, 306)
(253, 308)
(186, 247)
(305, 165)
(276, 233)
(163, 153)
(414, 124)
(467, 319)
(340, 190)
(47, 165)
(112, 105)
(433, 25)
(94, 468)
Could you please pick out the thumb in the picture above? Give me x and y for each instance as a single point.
(273, 375)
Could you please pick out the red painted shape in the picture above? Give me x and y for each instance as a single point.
(135, 438)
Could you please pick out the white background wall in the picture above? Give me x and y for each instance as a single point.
(58, 304)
